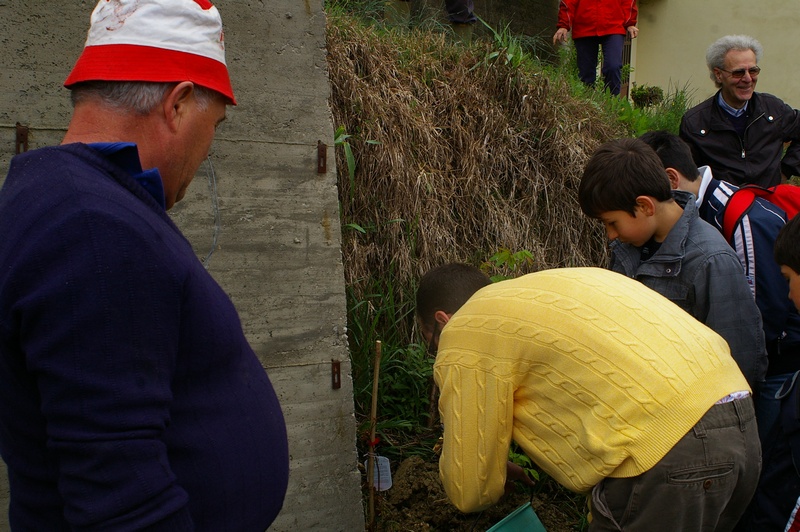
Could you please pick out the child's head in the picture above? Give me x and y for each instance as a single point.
(787, 255)
(673, 152)
(443, 290)
(618, 173)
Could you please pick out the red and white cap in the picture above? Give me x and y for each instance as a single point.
(155, 40)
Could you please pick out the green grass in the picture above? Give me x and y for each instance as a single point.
(663, 115)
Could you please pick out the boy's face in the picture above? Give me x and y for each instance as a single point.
(430, 335)
(430, 332)
(634, 230)
(794, 284)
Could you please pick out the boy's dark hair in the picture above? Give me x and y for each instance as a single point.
(787, 245)
(447, 288)
(673, 152)
(617, 173)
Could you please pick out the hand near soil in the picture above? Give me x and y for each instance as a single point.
(561, 36)
(633, 32)
(515, 472)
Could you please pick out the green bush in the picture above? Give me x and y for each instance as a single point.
(646, 95)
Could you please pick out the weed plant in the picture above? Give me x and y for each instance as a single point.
(405, 373)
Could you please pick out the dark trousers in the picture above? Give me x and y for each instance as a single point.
(460, 11)
(704, 483)
(587, 48)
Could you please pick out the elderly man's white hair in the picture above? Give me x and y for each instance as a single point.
(135, 96)
(715, 55)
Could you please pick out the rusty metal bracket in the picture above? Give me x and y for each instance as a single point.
(322, 157)
(336, 374)
(21, 144)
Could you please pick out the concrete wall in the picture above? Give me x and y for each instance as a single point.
(674, 35)
(278, 248)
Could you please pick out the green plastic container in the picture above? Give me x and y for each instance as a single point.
(523, 519)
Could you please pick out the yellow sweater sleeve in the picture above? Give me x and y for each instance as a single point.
(478, 411)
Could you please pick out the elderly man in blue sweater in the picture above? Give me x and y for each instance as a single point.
(129, 397)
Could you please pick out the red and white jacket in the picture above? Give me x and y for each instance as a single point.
(794, 520)
(594, 18)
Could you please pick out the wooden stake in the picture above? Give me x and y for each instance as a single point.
(373, 422)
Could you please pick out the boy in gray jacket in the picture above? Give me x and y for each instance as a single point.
(659, 239)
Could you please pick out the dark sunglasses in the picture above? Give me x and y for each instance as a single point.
(740, 72)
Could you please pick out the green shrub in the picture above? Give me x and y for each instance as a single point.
(646, 95)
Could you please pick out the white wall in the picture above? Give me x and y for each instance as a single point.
(674, 36)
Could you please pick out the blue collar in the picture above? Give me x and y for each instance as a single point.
(126, 156)
(729, 109)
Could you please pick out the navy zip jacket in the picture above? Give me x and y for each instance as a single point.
(753, 240)
(129, 396)
(758, 156)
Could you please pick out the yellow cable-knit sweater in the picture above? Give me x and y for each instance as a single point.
(593, 374)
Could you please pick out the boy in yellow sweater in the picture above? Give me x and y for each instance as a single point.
(605, 384)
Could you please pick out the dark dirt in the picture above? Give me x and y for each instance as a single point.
(417, 502)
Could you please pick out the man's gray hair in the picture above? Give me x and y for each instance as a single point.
(135, 96)
(715, 55)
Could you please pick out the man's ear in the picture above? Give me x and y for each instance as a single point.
(175, 104)
(442, 317)
(646, 204)
(674, 178)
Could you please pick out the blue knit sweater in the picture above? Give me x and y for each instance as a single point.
(129, 396)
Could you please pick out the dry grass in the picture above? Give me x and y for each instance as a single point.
(472, 156)
(469, 157)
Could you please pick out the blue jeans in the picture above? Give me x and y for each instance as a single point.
(767, 407)
(587, 48)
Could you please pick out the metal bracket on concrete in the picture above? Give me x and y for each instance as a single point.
(336, 374)
(322, 157)
(22, 138)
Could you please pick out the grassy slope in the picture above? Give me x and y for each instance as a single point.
(452, 152)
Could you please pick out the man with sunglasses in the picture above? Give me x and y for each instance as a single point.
(738, 132)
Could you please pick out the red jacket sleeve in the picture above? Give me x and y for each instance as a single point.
(566, 13)
(633, 10)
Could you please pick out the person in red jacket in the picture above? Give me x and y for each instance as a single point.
(595, 24)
